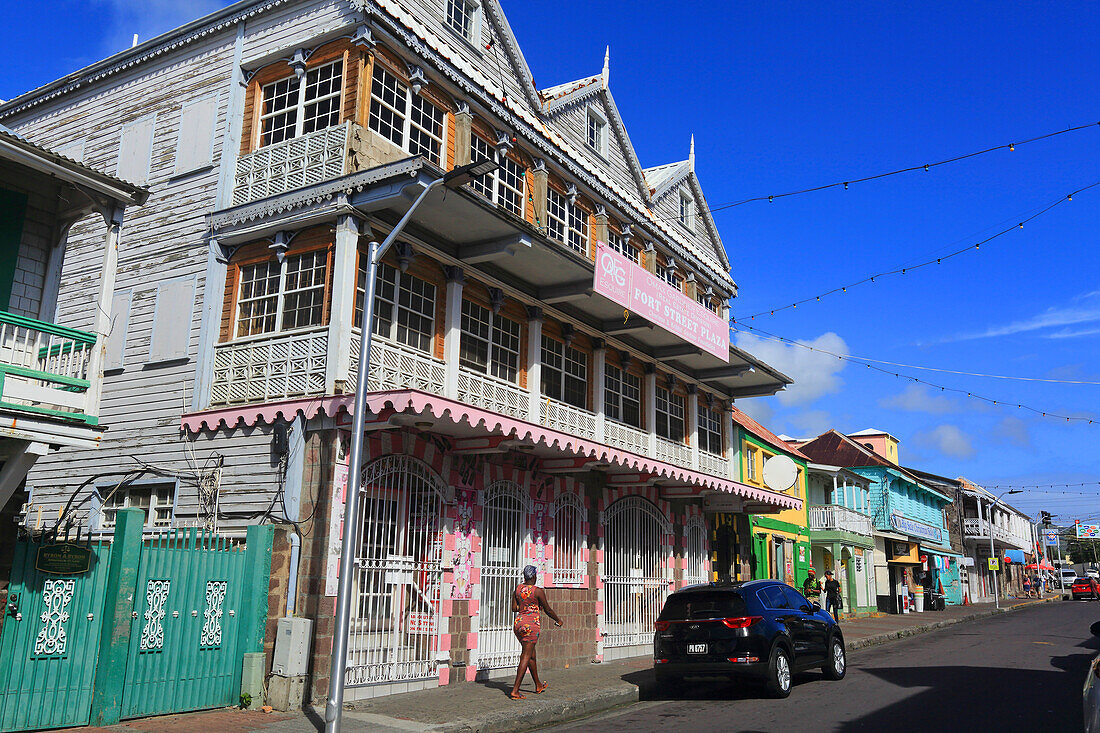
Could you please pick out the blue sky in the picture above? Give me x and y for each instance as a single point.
(782, 96)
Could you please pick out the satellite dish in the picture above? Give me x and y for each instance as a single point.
(780, 473)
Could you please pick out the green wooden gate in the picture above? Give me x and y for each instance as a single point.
(183, 642)
(49, 641)
(154, 626)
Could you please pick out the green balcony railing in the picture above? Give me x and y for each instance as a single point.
(44, 368)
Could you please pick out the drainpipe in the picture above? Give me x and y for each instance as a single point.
(292, 583)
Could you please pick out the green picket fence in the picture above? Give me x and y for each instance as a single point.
(153, 626)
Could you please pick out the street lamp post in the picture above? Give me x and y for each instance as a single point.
(992, 551)
(337, 672)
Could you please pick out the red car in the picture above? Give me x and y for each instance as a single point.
(1085, 588)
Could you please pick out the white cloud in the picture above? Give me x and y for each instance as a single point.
(1085, 308)
(918, 398)
(815, 374)
(758, 409)
(148, 18)
(811, 423)
(1013, 430)
(948, 440)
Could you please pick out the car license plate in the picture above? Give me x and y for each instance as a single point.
(697, 648)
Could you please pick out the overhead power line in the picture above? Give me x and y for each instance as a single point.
(856, 360)
(933, 261)
(910, 169)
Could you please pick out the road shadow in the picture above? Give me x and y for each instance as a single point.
(705, 688)
(982, 698)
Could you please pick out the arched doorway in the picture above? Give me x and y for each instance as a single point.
(393, 634)
(635, 581)
(503, 539)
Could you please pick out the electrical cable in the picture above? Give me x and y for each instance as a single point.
(933, 261)
(918, 380)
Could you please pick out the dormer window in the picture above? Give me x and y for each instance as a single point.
(293, 107)
(462, 17)
(687, 210)
(597, 132)
(406, 119)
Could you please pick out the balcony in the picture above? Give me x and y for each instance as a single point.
(978, 529)
(44, 369)
(296, 163)
(833, 517)
(270, 367)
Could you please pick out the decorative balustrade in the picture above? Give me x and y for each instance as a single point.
(568, 419)
(626, 437)
(44, 368)
(270, 367)
(974, 527)
(295, 163)
(673, 452)
(713, 465)
(395, 366)
(836, 517)
(490, 393)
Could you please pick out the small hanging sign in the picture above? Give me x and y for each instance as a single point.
(65, 558)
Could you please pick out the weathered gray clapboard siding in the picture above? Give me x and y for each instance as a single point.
(572, 122)
(279, 32)
(36, 243)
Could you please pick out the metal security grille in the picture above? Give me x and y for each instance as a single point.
(503, 537)
(394, 629)
(635, 584)
(695, 548)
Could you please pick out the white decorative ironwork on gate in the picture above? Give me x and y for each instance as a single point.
(568, 541)
(394, 634)
(152, 633)
(265, 368)
(635, 570)
(56, 596)
(212, 617)
(695, 550)
(504, 536)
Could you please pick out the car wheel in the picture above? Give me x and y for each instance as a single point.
(836, 662)
(779, 673)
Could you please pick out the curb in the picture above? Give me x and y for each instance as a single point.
(556, 712)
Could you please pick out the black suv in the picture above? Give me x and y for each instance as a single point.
(761, 629)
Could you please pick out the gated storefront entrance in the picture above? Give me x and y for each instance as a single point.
(394, 633)
(502, 552)
(635, 580)
(151, 627)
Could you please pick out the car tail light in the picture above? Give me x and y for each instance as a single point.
(741, 622)
(661, 625)
(743, 660)
(660, 661)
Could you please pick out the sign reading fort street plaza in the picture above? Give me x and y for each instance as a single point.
(639, 291)
(914, 528)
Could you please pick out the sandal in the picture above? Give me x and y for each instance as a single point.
(542, 688)
(517, 696)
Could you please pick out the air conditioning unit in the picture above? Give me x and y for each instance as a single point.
(292, 641)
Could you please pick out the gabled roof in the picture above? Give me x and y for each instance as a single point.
(765, 435)
(867, 432)
(839, 450)
(503, 30)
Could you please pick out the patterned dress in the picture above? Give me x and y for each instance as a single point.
(526, 626)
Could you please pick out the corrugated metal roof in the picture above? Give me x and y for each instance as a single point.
(764, 434)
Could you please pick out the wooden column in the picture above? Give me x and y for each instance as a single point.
(534, 363)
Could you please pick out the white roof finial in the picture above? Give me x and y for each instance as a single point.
(606, 65)
(691, 152)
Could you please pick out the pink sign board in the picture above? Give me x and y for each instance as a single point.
(636, 289)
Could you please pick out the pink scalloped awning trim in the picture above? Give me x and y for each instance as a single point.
(416, 402)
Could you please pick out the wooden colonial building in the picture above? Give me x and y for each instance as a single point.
(516, 415)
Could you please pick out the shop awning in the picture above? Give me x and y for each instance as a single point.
(475, 430)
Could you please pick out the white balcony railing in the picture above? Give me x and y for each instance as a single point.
(295, 163)
(394, 366)
(490, 393)
(568, 419)
(626, 437)
(673, 452)
(713, 465)
(272, 367)
(836, 517)
(975, 528)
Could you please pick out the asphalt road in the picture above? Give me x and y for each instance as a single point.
(1018, 672)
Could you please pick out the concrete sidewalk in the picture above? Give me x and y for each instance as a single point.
(484, 707)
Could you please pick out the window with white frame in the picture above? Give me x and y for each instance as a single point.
(568, 540)
(490, 342)
(462, 17)
(404, 306)
(597, 132)
(622, 399)
(507, 185)
(687, 210)
(298, 106)
(619, 244)
(566, 222)
(670, 415)
(155, 500)
(710, 430)
(564, 373)
(406, 119)
(750, 463)
(276, 297)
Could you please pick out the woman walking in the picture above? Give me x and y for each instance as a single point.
(528, 601)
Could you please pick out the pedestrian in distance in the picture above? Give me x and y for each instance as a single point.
(832, 595)
(528, 603)
(811, 587)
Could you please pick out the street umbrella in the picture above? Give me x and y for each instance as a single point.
(1040, 566)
